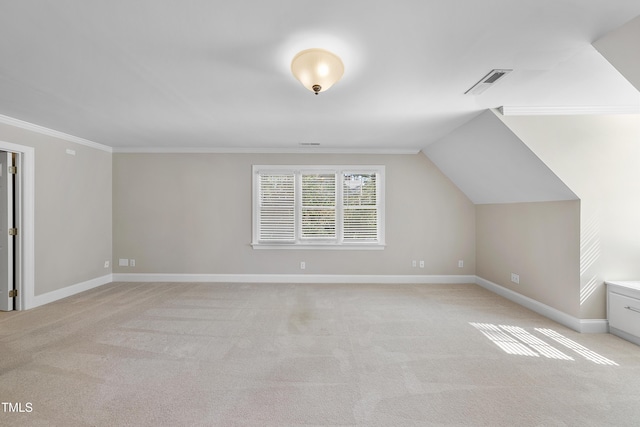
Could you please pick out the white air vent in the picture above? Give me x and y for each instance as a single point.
(487, 81)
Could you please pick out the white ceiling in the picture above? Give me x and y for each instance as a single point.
(620, 48)
(214, 74)
(496, 169)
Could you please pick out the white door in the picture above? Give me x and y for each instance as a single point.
(7, 284)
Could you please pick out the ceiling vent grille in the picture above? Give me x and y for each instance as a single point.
(487, 81)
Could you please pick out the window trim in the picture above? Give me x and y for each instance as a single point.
(304, 243)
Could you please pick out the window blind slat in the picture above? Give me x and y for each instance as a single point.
(318, 218)
(276, 213)
(360, 222)
(319, 205)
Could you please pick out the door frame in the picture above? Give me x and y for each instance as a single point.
(25, 222)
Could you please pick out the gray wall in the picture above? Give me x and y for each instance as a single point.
(191, 213)
(72, 209)
(538, 241)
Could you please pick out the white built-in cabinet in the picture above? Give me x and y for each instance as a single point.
(623, 310)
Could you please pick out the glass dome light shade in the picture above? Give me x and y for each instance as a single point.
(317, 69)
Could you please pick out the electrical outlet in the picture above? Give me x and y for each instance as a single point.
(132, 263)
(460, 263)
(515, 278)
(421, 264)
(303, 265)
(123, 262)
(106, 264)
(414, 263)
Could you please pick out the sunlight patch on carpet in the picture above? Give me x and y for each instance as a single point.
(580, 349)
(517, 341)
(505, 341)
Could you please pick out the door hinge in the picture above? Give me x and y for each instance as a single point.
(13, 170)
(13, 293)
(13, 232)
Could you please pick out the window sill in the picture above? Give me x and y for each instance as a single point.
(321, 246)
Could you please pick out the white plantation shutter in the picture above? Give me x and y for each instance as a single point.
(318, 212)
(360, 207)
(318, 207)
(276, 211)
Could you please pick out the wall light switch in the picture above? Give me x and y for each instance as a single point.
(460, 263)
(132, 263)
(106, 264)
(414, 263)
(421, 264)
(303, 265)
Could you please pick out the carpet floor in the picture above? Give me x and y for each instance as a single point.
(189, 354)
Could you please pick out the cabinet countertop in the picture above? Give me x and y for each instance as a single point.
(630, 284)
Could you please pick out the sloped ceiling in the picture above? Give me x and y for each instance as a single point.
(140, 74)
(490, 164)
(621, 48)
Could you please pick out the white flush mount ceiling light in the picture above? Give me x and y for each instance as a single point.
(317, 69)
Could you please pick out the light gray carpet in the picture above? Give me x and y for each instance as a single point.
(308, 355)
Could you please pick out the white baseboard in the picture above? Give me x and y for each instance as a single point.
(590, 326)
(580, 325)
(293, 278)
(594, 326)
(68, 291)
(625, 335)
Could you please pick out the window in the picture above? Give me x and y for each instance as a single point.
(318, 207)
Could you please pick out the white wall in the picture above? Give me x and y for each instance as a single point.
(598, 157)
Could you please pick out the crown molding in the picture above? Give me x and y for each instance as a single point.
(54, 133)
(200, 150)
(256, 150)
(568, 111)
